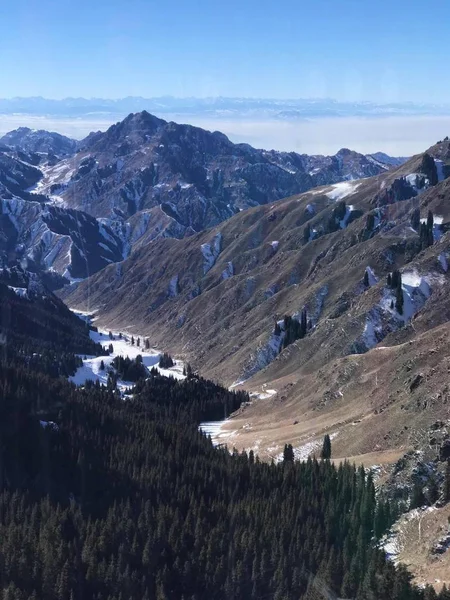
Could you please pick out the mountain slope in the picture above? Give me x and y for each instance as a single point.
(65, 242)
(215, 297)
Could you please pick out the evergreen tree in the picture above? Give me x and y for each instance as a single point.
(429, 593)
(102, 365)
(306, 233)
(433, 490)
(399, 295)
(288, 453)
(370, 222)
(132, 340)
(418, 497)
(326, 448)
(447, 482)
(366, 279)
(428, 168)
(166, 361)
(396, 277)
(430, 227)
(415, 219)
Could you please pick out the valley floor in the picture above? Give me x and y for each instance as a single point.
(92, 371)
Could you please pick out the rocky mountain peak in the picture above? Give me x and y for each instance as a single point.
(41, 141)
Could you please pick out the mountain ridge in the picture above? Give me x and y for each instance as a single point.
(142, 179)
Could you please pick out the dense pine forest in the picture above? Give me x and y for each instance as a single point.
(109, 498)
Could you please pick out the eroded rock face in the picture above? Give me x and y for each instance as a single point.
(444, 451)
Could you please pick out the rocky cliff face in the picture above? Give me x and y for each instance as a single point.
(68, 243)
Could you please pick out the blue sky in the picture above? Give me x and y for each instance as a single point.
(345, 49)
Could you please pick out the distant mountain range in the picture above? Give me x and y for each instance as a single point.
(216, 107)
(72, 207)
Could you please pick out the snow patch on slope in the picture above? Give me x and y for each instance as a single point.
(228, 271)
(384, 318)
(442, 258)
(210, 252)
(173, 287)
(265, 354)
(342, 190)
(91, 371)
(373, 279)
(439, 168)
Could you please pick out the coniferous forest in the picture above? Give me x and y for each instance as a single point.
(116, 499)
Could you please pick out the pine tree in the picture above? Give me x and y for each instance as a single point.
(428, 168)
(307, 233)
(366, 279)
(102, 365)
(430, 227)
(111, 337)
(415, 219)
(138, 342)
(132, 340)
(304, 322)
(395, 279)
(389, 280)
(418, 497)
(370, 222)
(447, 482)
(399, 295)
(429, 593)
(288, 453)
(277, 329)
(433, 490)
(326, 448)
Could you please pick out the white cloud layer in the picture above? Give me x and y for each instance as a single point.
(397, 136)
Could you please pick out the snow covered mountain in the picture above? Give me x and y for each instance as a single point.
(166, 179)
(39, 141)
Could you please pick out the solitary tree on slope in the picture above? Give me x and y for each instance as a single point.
(326, 447)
